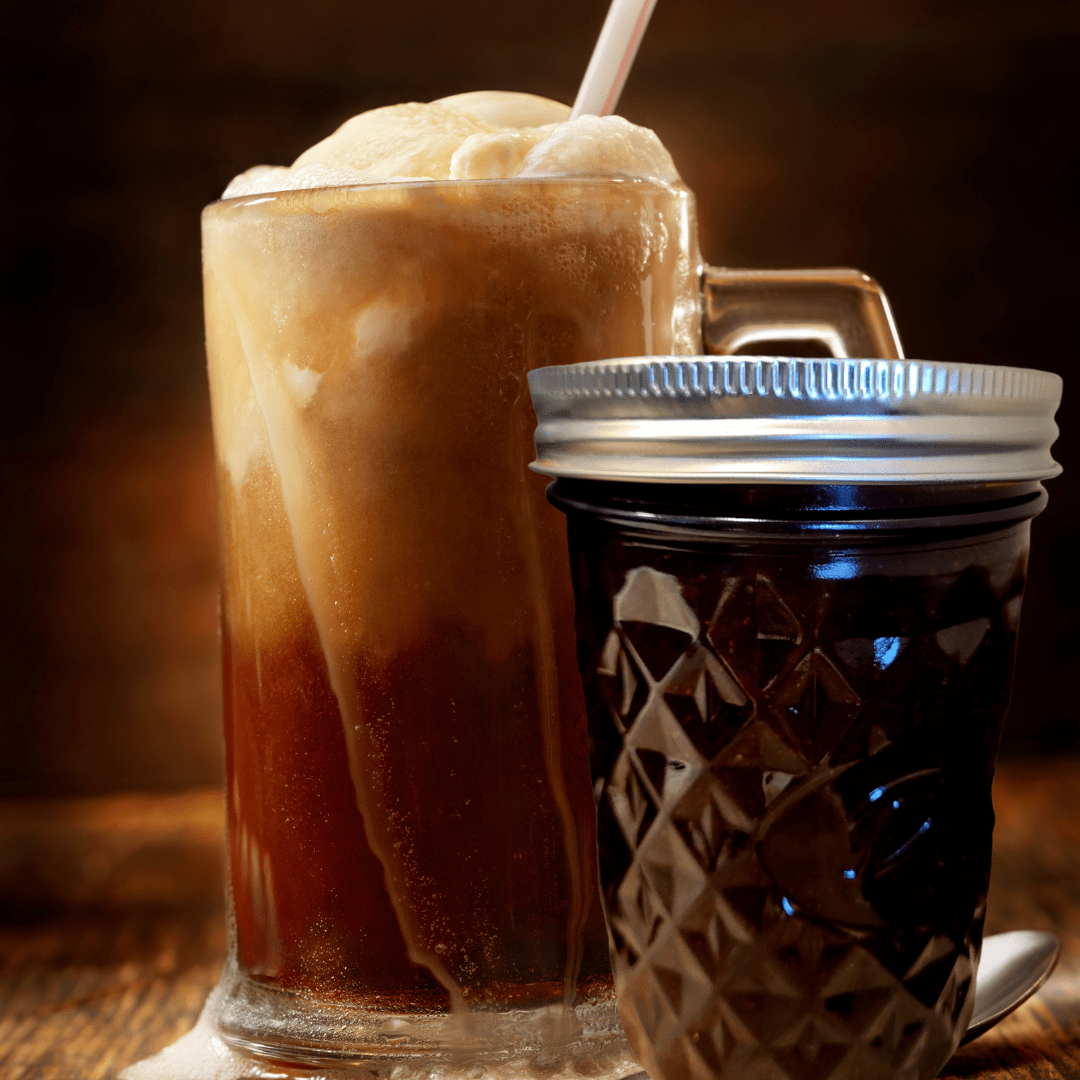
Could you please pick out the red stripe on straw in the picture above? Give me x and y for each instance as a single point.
(627, 59)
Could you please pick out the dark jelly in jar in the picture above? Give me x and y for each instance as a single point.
(795, 697)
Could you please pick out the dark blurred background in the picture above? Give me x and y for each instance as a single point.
(931, 144)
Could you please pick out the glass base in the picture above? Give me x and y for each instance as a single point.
(291, 1029)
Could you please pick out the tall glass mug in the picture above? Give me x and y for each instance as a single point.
(409, 808)
(410, 822)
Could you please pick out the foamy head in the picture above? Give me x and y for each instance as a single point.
(488, 134)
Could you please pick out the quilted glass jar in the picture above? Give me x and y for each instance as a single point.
(796, 621)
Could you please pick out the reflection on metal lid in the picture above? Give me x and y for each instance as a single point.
(741, 419)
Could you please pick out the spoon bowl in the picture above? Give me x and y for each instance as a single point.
(1012, 968)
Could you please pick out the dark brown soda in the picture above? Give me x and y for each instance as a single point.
(311, 904)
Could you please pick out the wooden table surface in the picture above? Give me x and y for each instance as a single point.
(112, 933)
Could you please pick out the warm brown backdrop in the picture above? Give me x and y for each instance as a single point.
(931, 144)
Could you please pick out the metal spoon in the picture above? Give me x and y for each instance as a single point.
(1012, 968)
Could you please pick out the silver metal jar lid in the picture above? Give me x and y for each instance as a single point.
(724, 419)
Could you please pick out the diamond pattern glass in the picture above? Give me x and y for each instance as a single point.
(792, 760)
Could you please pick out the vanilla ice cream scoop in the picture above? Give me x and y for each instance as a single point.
(486, 134)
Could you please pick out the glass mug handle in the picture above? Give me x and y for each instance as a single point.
(842, 311)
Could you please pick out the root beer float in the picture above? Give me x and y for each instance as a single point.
(409, 808)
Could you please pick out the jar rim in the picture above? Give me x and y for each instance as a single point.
(856, 515)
